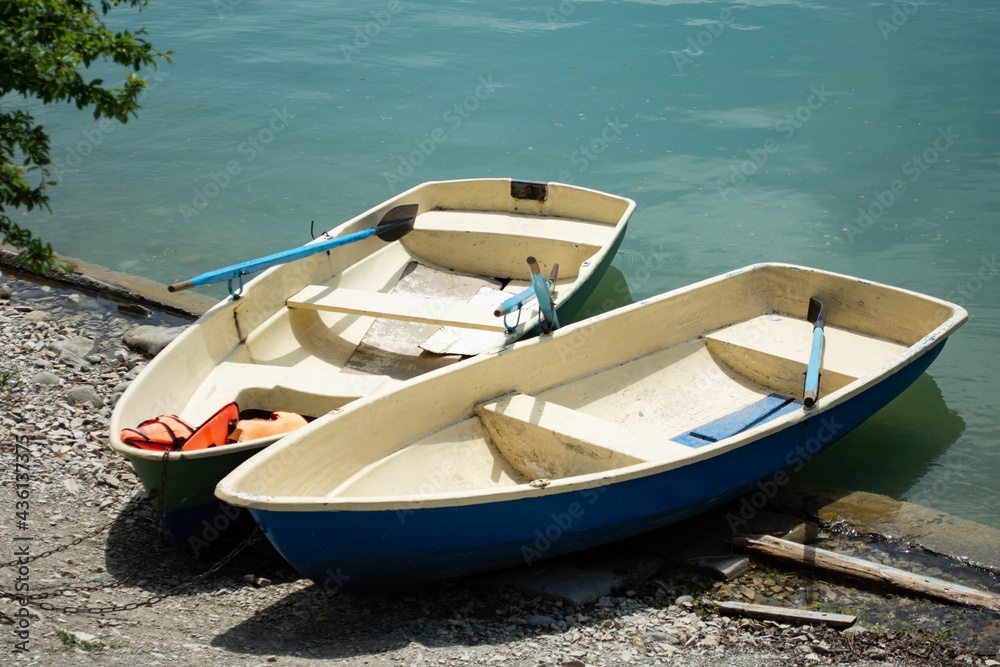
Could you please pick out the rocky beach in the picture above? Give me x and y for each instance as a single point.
(66, 358)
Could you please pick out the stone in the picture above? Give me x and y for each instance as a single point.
(713, 555)
(661, 638)
(45, 378)
(150, 340)
(780, 525)
(134, 311)
(72, 359)
(684, 599)
(113, 401)
(84, 394)
(36, 316)
(4, 292)
(539, 620)
(80, 346)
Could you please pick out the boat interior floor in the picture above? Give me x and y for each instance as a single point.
(660, 408)
(334, 363)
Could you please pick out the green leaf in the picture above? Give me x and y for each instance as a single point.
(46, 47)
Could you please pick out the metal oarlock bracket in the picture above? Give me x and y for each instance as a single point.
(238, 293)
(509, 328)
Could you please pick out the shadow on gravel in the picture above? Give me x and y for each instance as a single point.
(310, 623)
(134, 550)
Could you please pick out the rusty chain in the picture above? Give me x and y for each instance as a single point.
(97, 531)
(254, 537)
(33, 598)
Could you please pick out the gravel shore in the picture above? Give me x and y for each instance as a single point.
(62, 367)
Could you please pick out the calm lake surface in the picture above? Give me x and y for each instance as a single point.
(859, 137)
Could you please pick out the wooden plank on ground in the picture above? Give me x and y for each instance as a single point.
(786, 614)
(868, 571)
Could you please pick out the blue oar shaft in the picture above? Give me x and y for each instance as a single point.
(277, 258)
(516, 301)
(812, 371)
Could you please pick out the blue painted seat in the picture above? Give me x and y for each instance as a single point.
(755, 414)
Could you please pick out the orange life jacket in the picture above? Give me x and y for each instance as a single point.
(166, 432)
(169, 432)
(280, 422)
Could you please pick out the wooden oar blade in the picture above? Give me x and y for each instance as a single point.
(397, 223)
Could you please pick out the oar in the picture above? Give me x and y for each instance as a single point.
(816, 316)
(394, 225)
(543, 295)
(519, 299)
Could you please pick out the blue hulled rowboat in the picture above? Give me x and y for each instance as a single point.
(607, 428)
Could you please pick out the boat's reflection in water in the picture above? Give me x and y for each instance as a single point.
(894, 449)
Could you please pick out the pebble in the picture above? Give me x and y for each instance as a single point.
(45, 378)
(150, 340)
(84, 394)
(539, 620)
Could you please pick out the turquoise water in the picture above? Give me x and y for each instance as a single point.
(859, 137)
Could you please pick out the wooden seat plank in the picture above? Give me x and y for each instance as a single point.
(774, 351)
(585, 232)
(546, 440)
(396, 306)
